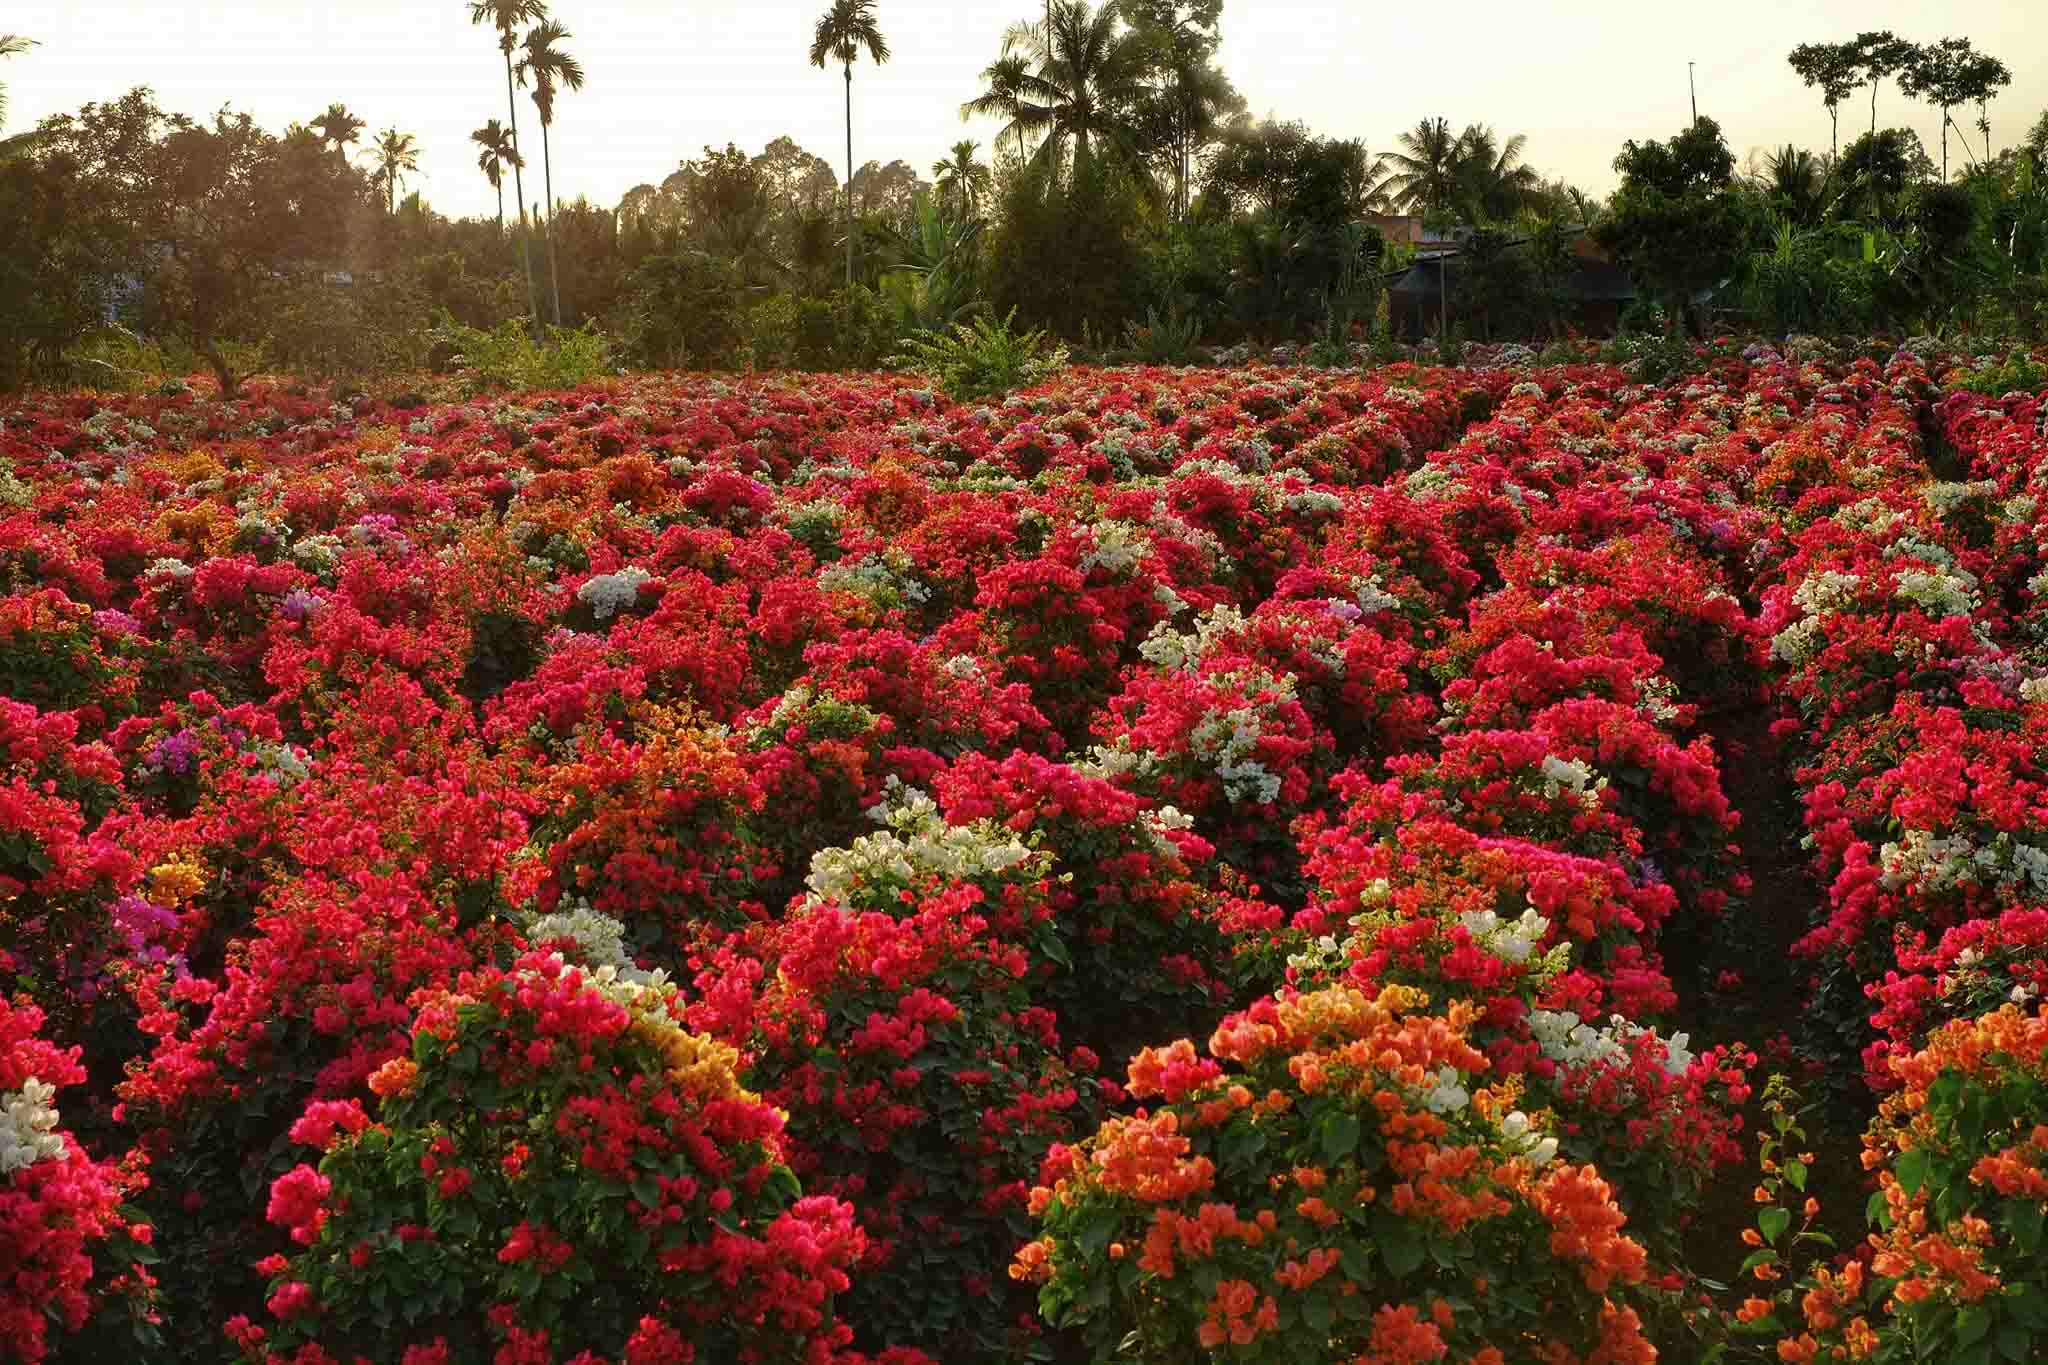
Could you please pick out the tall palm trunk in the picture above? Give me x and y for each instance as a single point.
(519, 187)
(849, 175)
(547, 170)
(499, 186)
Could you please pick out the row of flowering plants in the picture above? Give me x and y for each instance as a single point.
(711, 869)
(1901, 643)
(1453, 1130)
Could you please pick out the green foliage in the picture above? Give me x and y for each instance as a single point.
(1809, 281)
(1069, 250)
(847, 329)
(1166, 337)
(686, 312)
(507, 357)
(984, 358)
(2017, 373)
(1656, 357)
(1677, 222)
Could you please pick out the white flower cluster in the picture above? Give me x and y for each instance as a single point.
(1162, 822)
(1568, 1041)
(13, 492)
(1118, 759)
(1574, 775)
(1180, 651)
(168, 567)
(1119, 546)
(28, 1126)
(319, 554)
(1446, 1093)
(884, 579)
(1509, 940)
(1925, 861)
(607, 594)
(1939, 592)
(917, 843)
(1926, 551)
(1371, 597)
(1431, 483)
(1869, 515)
(1323, 959)
(1943, 499)
(600, 939)
(1226, 740)
(1315, 502)
(1526, 1140)
(1819, 596)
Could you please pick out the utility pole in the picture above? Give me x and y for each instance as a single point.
(1689, 85)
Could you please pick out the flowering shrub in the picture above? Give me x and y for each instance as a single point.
(1335, 1179)
(70, 1249)
(954, 755)
(555, 1166)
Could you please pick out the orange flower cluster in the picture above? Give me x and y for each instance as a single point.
(1586, 1225)
(1195, 1238)
(1237, 1315)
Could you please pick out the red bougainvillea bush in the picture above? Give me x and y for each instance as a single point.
(1208, 864)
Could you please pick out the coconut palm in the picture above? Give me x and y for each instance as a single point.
(1426, 169)
(1796, 181)
(506, 16)
(842, 32)
(543, 62)
(1004, 78)
(338, 128)
(1088, 71)
(497, 152)
(11, 45)
(962, 181)
(1494, 180)
(395, 153)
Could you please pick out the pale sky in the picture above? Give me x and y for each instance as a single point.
(668, 76)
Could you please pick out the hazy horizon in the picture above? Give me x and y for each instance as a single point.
(667, 79)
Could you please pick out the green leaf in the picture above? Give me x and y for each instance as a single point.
(1795, 1171)
(1972, 1322)
(1772, 1223)
(1340, 1136)
(1911, 1169)
(2023, 1220)
(1398, 1245)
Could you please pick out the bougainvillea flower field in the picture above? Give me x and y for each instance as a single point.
(1258, 864)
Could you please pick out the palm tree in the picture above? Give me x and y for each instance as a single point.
(545, 64)
(1426, 168)
(1796, 181)
(1088, 73)
(842, 32)
(1495, 181)
(505, 16)
(395, 153)
(497, 153)
(962, 180)
(11, 45)
(338, 128)
(1005, 78)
